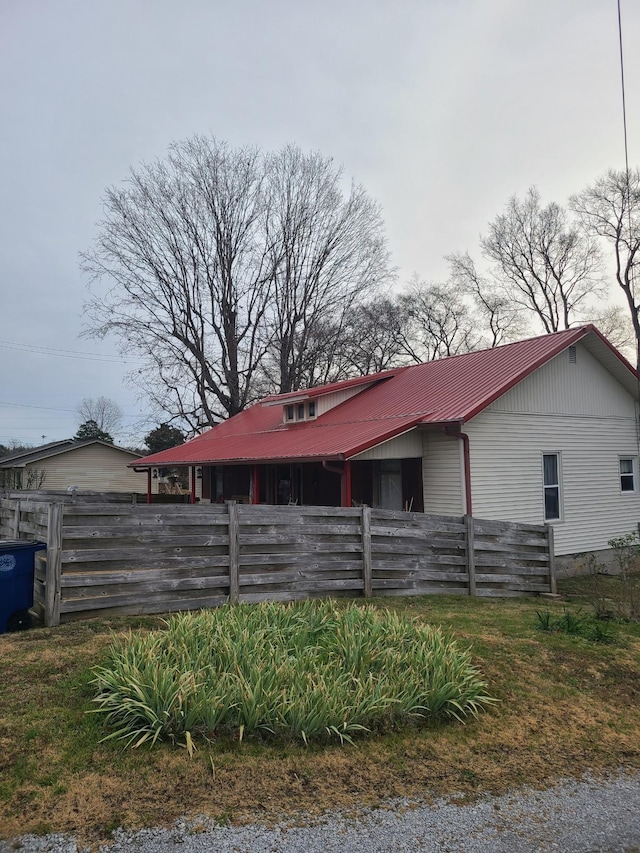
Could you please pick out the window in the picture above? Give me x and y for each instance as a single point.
(312, 409)
(551, 480)
(289, 412)
(300, 411)
(628, 474)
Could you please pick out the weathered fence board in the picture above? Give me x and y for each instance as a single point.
(367, 564)
(471, 554)
(127, 558)
(148, 577)
(408, 560)
(315, 560)
(433, 590)
(112, 607)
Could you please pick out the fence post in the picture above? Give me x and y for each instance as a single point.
(234, 553)
(53, 576)
(367, 570)
(471, 554)
(16, 521)
(552, 559)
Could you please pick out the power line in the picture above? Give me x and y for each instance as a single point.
(27, 406)
(626, 146)
(54, 409)
(624, 104)
(61, 353)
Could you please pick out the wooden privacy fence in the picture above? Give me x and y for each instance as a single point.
(105, 559)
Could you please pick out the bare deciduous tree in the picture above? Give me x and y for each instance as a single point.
(328, 252)
(105, 413)
(374, 338)
(615, 324)
(220, 257)
(440, 322)
(501, 318)
(35, 477)
(610, 209)
(546, 265)
(181, 243)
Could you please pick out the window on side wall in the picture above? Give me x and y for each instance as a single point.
(628, 473)
(551, 481)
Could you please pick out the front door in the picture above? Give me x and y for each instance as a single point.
(390, 484)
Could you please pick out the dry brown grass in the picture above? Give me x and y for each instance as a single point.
(567, 706)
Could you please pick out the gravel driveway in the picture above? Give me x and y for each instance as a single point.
(573, 817)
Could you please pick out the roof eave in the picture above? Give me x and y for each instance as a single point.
(273, 460)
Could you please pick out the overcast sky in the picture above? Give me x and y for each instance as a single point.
(442, 109)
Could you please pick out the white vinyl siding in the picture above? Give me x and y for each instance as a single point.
(92, 468)
(405, 446)
(442, 474)
(559, 387)
(507, 482)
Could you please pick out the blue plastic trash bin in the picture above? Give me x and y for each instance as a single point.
(17, 559)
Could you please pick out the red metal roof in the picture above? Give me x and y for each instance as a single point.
(449, 390)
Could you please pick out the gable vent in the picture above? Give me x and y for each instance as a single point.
(572, 355)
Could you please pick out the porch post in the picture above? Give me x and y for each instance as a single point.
(256, 485)
(192, 469)
(148, 485)
(346, 484)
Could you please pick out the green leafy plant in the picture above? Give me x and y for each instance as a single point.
(308, 670)
(576, 623)
(602, 632)
(546, 620)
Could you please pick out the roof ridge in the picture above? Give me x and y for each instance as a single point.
(335, 386)
(586, 327)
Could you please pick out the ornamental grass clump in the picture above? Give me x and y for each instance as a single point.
(307, 670)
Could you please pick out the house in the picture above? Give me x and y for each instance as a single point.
(543, 430)
(90, 465)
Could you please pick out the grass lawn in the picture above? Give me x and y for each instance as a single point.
(567, 705)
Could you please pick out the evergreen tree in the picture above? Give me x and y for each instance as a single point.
(163, 437)
(90, 429)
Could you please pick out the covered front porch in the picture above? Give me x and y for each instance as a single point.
(385, 483)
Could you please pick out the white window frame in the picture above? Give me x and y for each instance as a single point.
(633, 474)
(298, 412)
(557, 485)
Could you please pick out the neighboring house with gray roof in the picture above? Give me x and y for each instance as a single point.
(90, 465)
